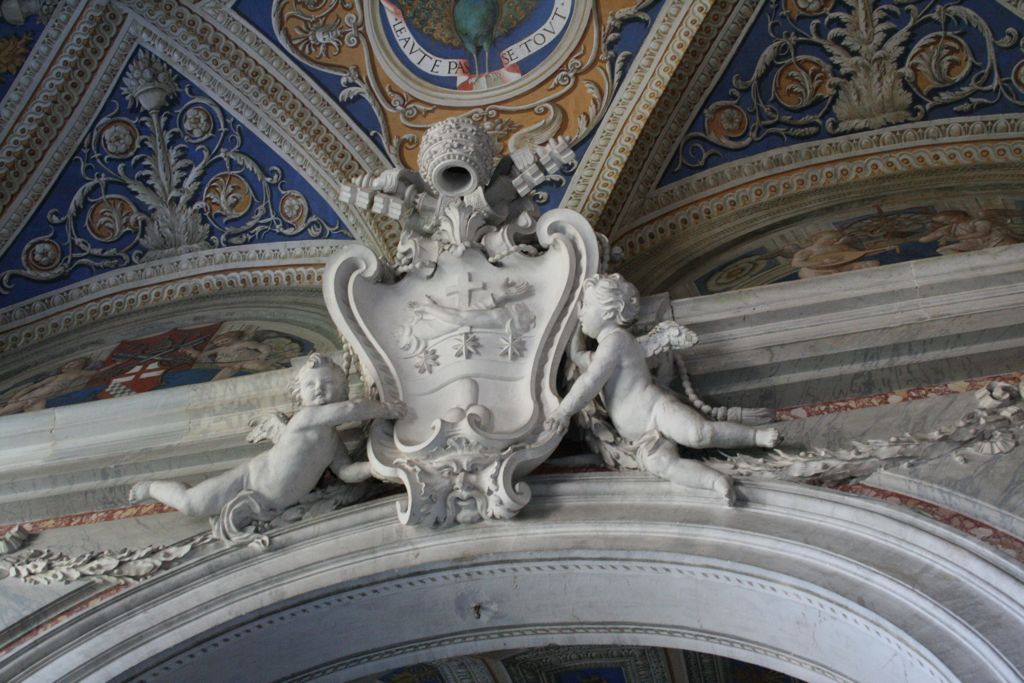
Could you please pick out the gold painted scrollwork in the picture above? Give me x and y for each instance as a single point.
(566, 94)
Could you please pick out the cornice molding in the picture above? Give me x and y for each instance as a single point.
(67, 93)
(653, 66)
(721, 208)
(204, 274)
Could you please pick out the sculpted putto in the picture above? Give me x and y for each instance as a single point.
(640, 410)
(304, 447)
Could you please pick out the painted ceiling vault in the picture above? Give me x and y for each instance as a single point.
(721, 143)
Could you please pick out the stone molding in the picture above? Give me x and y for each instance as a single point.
(726, 213)
(952, 612)
(28, 75)
(711, 50)
(915, 138)
(208, 273)
(759, 342)
(180, 431)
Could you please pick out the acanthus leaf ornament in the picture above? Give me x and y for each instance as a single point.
(163, 174)
(842, 66)
(468, 329)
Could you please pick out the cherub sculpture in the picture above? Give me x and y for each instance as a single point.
(304, 447)
(643, 413)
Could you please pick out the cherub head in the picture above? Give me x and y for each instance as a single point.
(319, 381)
(607, 298)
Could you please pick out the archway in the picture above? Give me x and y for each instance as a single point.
(818, 584)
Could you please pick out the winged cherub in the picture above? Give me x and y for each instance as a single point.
(638, 407)
(304, 447)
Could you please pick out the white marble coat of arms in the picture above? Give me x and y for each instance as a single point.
(468, 327)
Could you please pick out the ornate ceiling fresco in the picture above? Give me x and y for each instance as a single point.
(145, 142)
(790, 109)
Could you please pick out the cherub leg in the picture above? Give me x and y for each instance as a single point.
(666, 463)
(687, 427)
(204, 499)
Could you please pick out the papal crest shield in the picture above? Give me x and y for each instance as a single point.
(472, 348)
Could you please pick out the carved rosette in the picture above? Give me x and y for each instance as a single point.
(472, 350)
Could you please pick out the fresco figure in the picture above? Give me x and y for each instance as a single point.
(74, 375)
(827, 254)
(637, 406)
(304, 447)
(233, 351)
(959, 232)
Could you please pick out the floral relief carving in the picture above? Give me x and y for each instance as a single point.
(163, 176)
(850, 65)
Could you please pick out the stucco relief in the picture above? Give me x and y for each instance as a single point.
(468, 325)
(839, 67)
(164, 174)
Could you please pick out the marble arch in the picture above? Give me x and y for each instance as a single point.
(908, 574)
(812, 583)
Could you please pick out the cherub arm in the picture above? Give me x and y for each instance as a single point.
(578, 350)
(350, 472)
(358, 411)
(602, 366)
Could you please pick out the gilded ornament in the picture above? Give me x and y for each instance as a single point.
(318, 38)
(802, 82)
(293, 207)
(795, 8)
(229, 195)
(119, 138)
(726, 121)
(111, 217)
(13, 51)
(41, 255)
(939, 60)
(1018, 75)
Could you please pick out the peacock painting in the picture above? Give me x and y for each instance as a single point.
(470, 24)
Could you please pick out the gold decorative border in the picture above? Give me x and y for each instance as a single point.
(660, 250)
(54, 102)
(650, 75)
(710, 54)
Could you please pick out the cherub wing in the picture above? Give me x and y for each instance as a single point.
(667, 336)
(512, 13)
(434, 18)
(267, 428)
